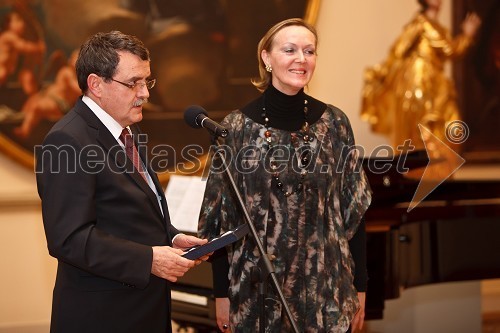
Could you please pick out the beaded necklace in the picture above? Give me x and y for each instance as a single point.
(304, 153)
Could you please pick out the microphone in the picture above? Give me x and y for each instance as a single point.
(196, 117)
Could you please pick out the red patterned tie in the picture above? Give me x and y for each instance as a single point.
(132, 152)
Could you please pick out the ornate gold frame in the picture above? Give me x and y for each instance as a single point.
(26, 158)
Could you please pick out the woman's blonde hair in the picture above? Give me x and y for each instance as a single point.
(266, 43)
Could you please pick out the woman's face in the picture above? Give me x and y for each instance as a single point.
(292, 58)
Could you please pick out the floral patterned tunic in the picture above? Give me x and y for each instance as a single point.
(306, 233)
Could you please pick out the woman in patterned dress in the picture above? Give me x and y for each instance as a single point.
(294, 161)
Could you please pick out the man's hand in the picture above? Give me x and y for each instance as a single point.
(168, 263)
(184, 242)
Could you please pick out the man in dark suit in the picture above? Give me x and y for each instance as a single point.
(105, 216)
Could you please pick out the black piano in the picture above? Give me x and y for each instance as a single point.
(452, 235)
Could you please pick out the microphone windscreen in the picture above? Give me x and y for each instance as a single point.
(191, 113)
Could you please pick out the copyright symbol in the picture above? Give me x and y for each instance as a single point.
(457, 131)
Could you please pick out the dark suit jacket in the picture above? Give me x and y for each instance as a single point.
(101, 220)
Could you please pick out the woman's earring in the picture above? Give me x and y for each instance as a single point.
(269, 68)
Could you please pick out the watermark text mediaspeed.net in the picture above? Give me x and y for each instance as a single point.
(190, 159)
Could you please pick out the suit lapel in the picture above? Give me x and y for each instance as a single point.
(143, 154)
(122, 162)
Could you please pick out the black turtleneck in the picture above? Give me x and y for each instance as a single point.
(285, 112)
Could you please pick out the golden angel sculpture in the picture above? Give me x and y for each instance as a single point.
(411, 86)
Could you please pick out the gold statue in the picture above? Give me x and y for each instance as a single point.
(411, 87)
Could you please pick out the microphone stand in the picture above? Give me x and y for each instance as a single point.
(265, 270)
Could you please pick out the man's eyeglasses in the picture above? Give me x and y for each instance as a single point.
(149, 84)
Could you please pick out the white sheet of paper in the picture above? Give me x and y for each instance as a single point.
(189, 298)
(184, 198)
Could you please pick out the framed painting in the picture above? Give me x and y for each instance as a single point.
(203, 52)
(477, 79)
